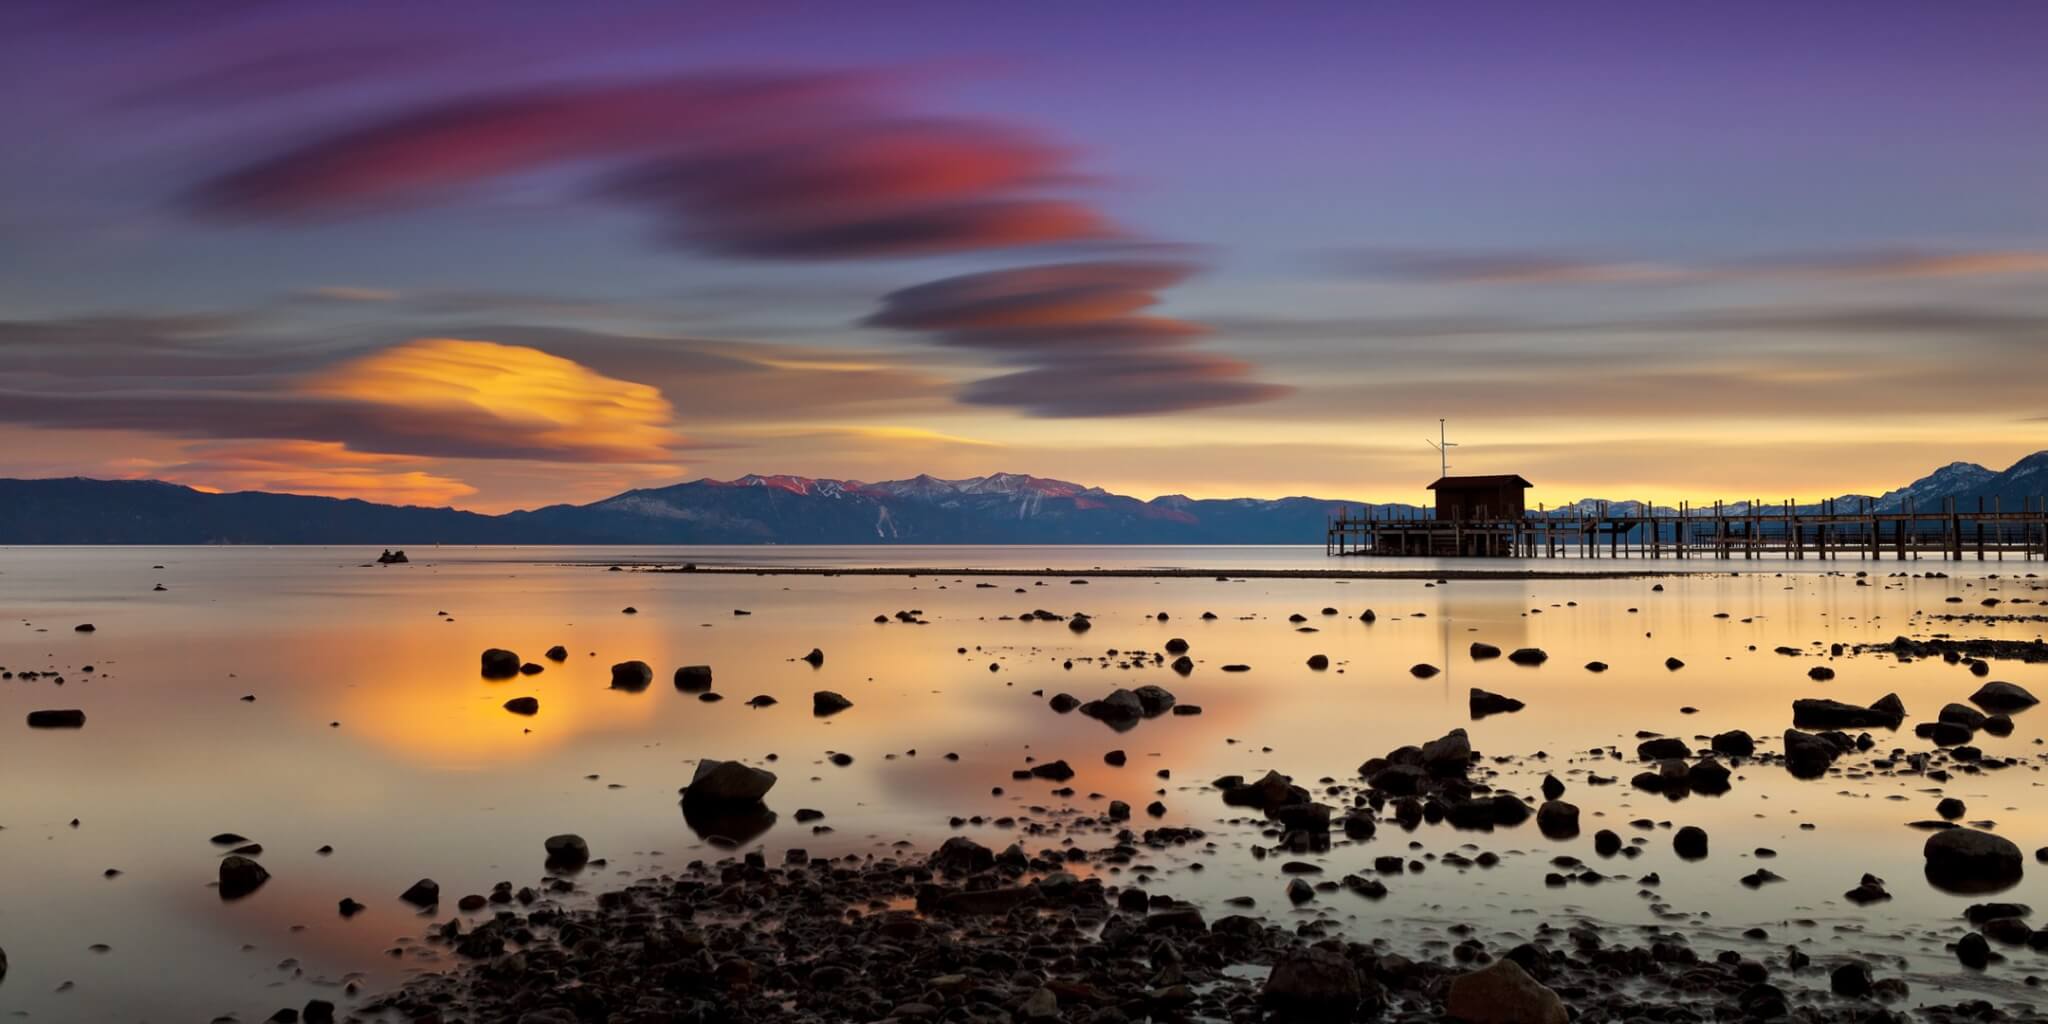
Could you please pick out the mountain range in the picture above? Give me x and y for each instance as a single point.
(1003, 508)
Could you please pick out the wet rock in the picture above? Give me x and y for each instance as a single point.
(1503, 993)
(65, 718)
(1450, 754)
(1183, 665)
(1481, 652)
(1708, 776)
(693, 678)
(1973, 952)
(423, 894)
(826, 702)
(1121, 707)
(1663, 748)
(240, 876)
(1483, 703)
(1529, 656)
(1176, 646)
(1950, 808)
(523, 705)
(1064, 702)
(1423, 671)
(1821, 674)
(1673, 664)
(1558, 819)
(1813, 713)
(1851, 979)
(727, 783)
(1318, 662)
(962, 856)
(557, 653)
(631, 675)
(1317, 984)
(1690, 842)
(566, 852)
(1606, 842)
(1970, 860)
(2000, 696)
(1734, 743)
(1058, 771)
(1808, 754)
(1154, 700)
(499, 663)
(815, 658)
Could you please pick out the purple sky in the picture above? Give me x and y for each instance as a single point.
(500, 255)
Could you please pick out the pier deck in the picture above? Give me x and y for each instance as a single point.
(1984, 531)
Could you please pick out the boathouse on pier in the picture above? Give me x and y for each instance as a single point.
(1475, 498)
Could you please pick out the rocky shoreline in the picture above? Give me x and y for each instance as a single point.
(970, 934)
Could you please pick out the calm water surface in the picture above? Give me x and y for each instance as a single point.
(371, 732)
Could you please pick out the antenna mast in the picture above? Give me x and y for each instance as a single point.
(1443, 447)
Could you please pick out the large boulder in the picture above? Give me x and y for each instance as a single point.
(2006, 697)
(1317, 984)
(1503, 993)
(728, 783)
(693, 678)
(1968, 860)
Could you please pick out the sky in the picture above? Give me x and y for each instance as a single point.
(501, 255)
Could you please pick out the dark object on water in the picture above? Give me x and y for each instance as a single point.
(240, 876)
(69, 718)
(393, 558)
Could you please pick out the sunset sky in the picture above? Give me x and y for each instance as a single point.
(502, 255)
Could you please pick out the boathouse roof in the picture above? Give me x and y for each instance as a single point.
(1497, 480)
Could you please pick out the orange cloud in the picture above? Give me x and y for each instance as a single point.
(310, 467)
(556, 404)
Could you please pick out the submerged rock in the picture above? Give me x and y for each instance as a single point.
(66, 718)
(523, 705)
(826, 702)
(693, 678)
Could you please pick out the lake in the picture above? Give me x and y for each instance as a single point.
(372, 733)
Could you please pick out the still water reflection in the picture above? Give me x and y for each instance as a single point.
(371, 732)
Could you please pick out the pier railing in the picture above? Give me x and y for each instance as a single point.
(1718, 531)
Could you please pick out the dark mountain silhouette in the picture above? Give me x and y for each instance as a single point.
(1004, 508)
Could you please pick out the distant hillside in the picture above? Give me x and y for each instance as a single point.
(1000, 509)
(1004, 508)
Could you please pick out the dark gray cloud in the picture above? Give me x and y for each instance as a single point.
(1079, 329)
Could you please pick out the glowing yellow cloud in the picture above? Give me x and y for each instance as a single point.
(549, 402)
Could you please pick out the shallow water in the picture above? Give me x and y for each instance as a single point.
(371, 731)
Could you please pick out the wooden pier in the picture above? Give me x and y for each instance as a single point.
(1983, 531)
